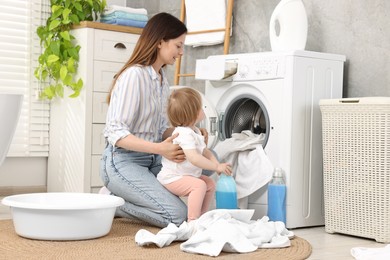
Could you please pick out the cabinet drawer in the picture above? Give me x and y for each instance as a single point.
(103, 74)
(114, 46)
(98, 140)
(96, 181)
(99, 107)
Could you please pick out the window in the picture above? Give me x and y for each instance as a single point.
(19, 51)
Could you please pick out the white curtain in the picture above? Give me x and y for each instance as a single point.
(19, 51)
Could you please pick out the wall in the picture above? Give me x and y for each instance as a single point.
(358, 29)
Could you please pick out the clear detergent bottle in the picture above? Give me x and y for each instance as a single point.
(277, 197)
(226, 192)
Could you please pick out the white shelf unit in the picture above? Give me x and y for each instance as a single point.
(76, 124)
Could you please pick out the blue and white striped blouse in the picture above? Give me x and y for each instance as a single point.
(138, 105)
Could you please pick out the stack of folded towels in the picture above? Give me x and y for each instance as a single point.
(120, 15)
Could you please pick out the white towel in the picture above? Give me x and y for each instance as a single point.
(205, 15)
(112, 8)
(365, 253)
(221, 230)
(251, 166)
(254, 170)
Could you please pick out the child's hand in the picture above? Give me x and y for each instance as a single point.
(225, 168)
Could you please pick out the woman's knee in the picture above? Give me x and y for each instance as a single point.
(178, 216)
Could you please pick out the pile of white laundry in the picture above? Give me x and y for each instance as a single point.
(221, 230)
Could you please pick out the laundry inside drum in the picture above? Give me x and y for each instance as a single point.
(245, 114)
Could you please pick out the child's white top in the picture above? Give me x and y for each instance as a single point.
(187, 139)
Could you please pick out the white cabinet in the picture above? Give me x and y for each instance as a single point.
(76, 124)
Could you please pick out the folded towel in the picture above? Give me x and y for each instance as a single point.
(251, 166)
(205, 15)
(125, 15)
(112, 8)
(365, 253)
(125, 22)
(221, 230)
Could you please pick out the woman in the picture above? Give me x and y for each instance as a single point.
(137, 123)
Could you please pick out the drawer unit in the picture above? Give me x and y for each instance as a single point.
(113, 46)
(76, 125)
(99, 107)
(104, 72)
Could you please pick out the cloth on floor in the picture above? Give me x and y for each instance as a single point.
(221, 230)
(205, 15)
(252, 168)
(365, 253)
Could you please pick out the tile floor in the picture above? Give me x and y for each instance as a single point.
(325, 246)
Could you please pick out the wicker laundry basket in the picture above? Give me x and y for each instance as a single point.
(356, 161)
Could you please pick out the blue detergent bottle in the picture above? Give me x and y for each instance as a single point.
(277, 197)
(226, 192)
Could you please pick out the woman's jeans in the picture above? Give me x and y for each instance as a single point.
(132, 176)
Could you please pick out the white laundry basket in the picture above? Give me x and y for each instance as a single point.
(356, 161)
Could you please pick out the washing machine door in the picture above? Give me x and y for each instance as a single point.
(210, 123)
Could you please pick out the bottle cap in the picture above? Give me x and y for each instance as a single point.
(278, 172)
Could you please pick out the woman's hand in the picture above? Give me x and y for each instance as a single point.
(172, 151)
(225, 168)
(205, 134)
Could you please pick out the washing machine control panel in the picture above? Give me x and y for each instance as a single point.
(259, 68)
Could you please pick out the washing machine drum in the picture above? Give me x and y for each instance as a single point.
(245, 114)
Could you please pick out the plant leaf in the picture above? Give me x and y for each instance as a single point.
(49, 91)
(56, 11)
(55, 47)
(65, 35)
(75, 94)
(65, 13)
(68, 80)
(75, 19)
(78, 6)
(52, 58)
(63, 72)
(54, 24)
(71, 65)
(59, 90)
(79, 84)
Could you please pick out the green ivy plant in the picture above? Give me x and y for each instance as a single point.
(58, 62)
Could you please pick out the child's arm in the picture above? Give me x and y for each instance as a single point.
(201, 161)
(209, 155)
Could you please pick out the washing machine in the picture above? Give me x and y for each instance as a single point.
(276, 94)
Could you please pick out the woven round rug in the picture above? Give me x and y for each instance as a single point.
(120, 244)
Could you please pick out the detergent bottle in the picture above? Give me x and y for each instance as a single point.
(226, 192)
(290, 18)
(277, 197)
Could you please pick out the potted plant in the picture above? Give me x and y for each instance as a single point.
(57, 65)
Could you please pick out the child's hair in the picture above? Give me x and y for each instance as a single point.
(184, 106)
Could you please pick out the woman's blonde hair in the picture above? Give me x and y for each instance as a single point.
(184, 106)
(161, 27)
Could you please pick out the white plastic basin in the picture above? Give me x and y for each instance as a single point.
(62, 216)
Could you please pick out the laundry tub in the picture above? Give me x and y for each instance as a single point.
(62, 215)
(356, 162)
